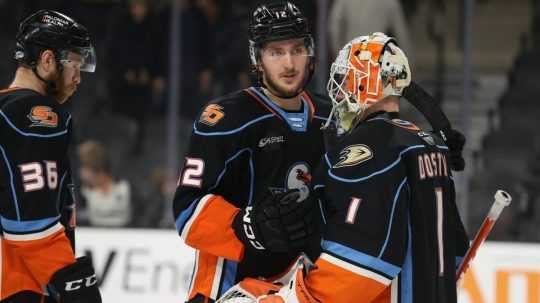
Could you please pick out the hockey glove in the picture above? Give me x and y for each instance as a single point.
(455, 141)
(279, 223)
(76, 283)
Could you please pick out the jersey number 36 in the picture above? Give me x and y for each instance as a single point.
(34, 175)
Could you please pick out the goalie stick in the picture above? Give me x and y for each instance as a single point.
(428, 106)
(502, 199)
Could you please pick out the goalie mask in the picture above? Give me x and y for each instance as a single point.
(367, 70)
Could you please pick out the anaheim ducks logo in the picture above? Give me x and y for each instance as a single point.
(43, 116)
(353, 155)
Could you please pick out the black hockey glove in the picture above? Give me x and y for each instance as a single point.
(279, 223)
(76, 283)
(455, 141)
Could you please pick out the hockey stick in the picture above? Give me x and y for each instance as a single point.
(428, 106)
(502, 199)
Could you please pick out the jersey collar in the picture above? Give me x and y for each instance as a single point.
(297, 121)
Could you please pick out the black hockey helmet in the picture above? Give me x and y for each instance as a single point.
(275, 21)
(48, 29)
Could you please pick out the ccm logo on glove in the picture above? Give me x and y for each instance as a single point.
(77, 284)
(248, 230)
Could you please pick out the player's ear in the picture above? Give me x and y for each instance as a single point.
(47, 61)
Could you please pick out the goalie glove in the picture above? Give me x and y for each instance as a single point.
(280, 223)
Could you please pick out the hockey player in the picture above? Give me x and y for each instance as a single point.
(36, 205)
(393, 232)
(241, 200)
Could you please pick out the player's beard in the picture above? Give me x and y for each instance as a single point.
(61, 91)
(283, 92)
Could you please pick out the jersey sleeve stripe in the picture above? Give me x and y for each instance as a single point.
(329, 282)
(382, 171)
(11, 182)
(14, 226)
(361, 259)
(185, 216)
(230, 132)
(356, 269)
(396, 197)
(60, 187)
(203, 278)
(26, 134)
(327, 160)
(406, 276)
(458, 262)
(217, 279)
(210, 228)
(229, 276)
(34, 236)
(199, 207)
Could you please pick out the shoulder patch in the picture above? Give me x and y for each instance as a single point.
(212, 114)
(353, 155)
(428, 138)
(404, 124)
(43, 116)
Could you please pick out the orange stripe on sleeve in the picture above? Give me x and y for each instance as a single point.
(210, 230)
(332, 282)
(204, 275)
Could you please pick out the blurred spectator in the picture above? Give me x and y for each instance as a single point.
(108, 201)
(228, 19)
(196, 74)
(351, 18)
(132, 62)
(157, 212)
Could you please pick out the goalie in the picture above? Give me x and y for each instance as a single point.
(393, 232)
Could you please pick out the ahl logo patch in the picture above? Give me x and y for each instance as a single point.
(353, 155)
(43, 116)
(212, 114)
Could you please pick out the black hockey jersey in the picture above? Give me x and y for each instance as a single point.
(243, 147)
(34, 178)
(393, 232)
